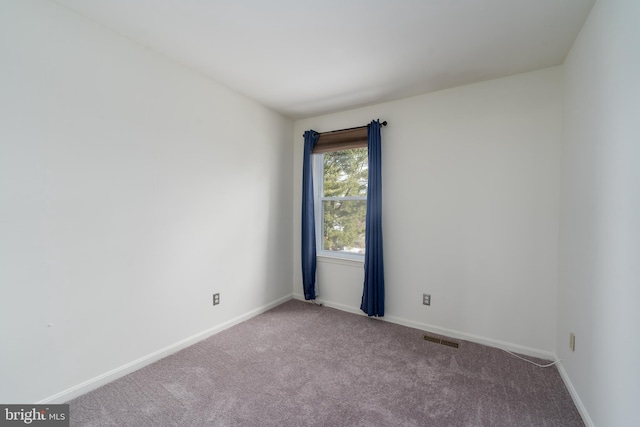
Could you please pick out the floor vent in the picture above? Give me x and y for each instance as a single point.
(440, 341)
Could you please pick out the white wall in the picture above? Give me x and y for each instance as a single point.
(131, 190)
(599, 281)
(470, 195)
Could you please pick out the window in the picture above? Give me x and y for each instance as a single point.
(341, 179)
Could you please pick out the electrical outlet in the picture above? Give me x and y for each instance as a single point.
(216, 299)
(572, 341)
(426, 299)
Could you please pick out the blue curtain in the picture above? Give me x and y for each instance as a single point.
(308, 222)
(373, 293)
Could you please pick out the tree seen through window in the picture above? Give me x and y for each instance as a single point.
(344, 200)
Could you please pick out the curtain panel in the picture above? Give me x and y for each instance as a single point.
(308, 251)
(373, 290)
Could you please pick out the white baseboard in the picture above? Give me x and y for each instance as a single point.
(574, 395)
(516, 348)
(107, 377)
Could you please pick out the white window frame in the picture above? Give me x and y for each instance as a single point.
(318, 191)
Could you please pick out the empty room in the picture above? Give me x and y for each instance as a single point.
(328, 213)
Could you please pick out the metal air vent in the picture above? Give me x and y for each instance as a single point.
(440, 341)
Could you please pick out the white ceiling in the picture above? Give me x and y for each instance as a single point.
(308, 57)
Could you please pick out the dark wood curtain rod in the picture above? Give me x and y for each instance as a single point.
(357, 127)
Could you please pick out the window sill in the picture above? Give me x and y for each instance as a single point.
(341, 261)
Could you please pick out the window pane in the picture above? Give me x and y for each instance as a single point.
(346, 173)
(344, 225)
